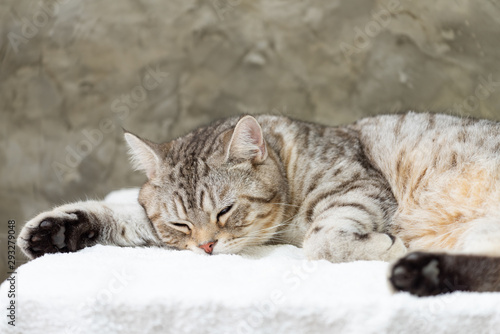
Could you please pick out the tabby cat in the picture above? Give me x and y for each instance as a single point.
(372, 190)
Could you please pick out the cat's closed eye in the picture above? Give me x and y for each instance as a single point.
(224, 211)
(183, 227)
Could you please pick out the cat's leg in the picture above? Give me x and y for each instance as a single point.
(71, 227)
(428, 274)
(344, 239)
(475, 268)
(352, 224)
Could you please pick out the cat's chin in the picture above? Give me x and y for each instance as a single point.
(199, 251)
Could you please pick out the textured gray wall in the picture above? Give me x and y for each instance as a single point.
(72, 73)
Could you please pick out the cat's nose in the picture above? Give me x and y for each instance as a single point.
(208, 247)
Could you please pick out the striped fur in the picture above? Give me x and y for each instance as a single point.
(367, 191)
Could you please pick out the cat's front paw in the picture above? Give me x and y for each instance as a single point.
(57, 231)
(420, 274)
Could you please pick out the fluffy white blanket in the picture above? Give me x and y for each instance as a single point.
(271, 289)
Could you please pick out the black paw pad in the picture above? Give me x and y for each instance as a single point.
(420, 274)
(69, 234)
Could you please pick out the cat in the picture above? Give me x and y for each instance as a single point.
(423, 183)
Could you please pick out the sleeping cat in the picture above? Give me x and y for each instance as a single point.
(372, 190)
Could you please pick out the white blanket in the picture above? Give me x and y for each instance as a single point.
(271, 289)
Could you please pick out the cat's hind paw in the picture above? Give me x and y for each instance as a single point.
(57, 231)
(420, 274)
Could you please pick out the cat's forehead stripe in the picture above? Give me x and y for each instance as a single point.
(201, 198)
(202, 142)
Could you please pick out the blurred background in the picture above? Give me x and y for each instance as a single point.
(72, 73)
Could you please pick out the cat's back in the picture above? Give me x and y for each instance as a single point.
(443, 141)
(309, 137)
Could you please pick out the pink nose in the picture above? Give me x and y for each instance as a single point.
(208, 247)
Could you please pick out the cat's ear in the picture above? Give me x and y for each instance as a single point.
(247, 141)
(145, 155)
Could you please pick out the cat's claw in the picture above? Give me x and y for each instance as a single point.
(57, 231)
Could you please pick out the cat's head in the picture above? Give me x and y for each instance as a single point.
(216, 190)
